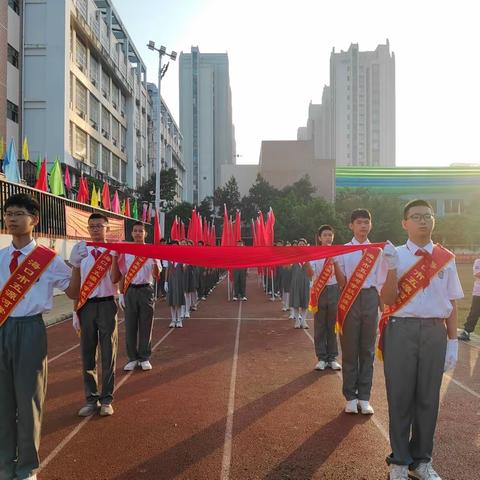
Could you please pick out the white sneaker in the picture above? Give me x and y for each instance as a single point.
(235, 299)
(425, 471)
(284, 309)
(291, 317)
(130, 366)
(187, 315)
(351, 406)
(179, 324)
(146, 365)
(321, 365)
(298, 324)
(244, 299)
(335, 365)
(365, 407)
(172, 324)
(398, 472)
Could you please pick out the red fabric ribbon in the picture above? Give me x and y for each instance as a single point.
(233, 257)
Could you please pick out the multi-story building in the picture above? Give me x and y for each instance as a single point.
(85, 90)
(10, 72)
(172, 147)
(355, 123)
(205, 120)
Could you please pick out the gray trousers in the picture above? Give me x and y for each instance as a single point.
(239, 282)
(414, 357)
(358, 345)
(23, 385)
(326, 347)
(98, 322)
(139, 306)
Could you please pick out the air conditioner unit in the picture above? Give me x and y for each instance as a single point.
(114, 142)
(114, 105)
(94, 82)
(122, 148)
(94, 124)
(81, 115)
(122, 113)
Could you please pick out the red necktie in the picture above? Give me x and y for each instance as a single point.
(14, 261)
(427, 259)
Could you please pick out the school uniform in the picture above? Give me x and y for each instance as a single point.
(299, 286)
(325, 338)
(176, 292)
(360, 327)
(23, 366)
(139, 308)
(286, 283)
(240, 283)
(98, 326)
(414, 346)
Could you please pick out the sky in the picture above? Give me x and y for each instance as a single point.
(279, 54)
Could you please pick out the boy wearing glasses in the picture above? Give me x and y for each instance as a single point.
(418, 339)
(95, 315)
(28, 274)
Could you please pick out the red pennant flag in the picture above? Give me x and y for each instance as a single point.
(182, 231)
(127, 207)
(174, 230)
(67, 181)
(41, 183)
(226, 227)
(106, 197)
(157, 233)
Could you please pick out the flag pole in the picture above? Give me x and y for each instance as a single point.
(273, 289)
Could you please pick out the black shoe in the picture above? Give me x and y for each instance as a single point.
(465, 336)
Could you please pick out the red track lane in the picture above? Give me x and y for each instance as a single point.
(288, 422)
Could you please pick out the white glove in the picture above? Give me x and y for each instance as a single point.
(390, 255)
(76, 322)
(121, 301)
(165, 286)
(452, 354)
(78, 253)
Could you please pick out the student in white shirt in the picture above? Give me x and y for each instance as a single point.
(474, 313)
(419, 343)
(360, 327)
(138, 303)
(23, 342)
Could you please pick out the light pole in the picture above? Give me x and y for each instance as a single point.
(161, 72)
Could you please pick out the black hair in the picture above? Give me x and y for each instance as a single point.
(25, 201)
(360, 213)
(200, 242)
(415, 203)
(98, 216)
(138, 224)
(174, 242)
(323, 228)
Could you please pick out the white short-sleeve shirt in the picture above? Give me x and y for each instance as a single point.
(433, 301)
(145, 274)
(106, 288)
(317, 266)
(39, 299)
(349, 261)
(476, 283)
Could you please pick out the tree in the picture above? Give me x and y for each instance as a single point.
(302, 189)
(229, 195)
(168, 188)
(261, 197)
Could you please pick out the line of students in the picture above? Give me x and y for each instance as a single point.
(416, 284)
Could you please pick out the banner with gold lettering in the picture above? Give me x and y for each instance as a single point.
(136, 265)
(320, 284)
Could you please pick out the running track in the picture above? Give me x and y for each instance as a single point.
(233, 395)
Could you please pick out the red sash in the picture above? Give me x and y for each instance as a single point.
(95, 275)
(136, 265)
(352, 288)
(23, 279)
(320, 284)
(413, 281)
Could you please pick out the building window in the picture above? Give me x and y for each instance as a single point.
(105, 122)
(81, 55)
(12, 111)
(81, 99)
(115, 94)
(94, 70)
(94, 112)
(105, 85)
(94, 147)
(123, 104)
(80, 150)
(12, 56)
(123, 140)
(14, 5)
(115, 167)
(105, 160)
(115, 131)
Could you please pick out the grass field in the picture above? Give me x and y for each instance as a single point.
(466, 277)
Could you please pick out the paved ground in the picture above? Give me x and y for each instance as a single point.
(233, 395)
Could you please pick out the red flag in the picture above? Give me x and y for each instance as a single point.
(127, 207)
(41, 183)
(254, 234)
(173, 230)
(225, 229)
(106, 197)
(269, 228)
(67, 180)
(86, 190)
(182, 231)
(157, 233)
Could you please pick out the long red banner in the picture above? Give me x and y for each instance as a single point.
(233, 257)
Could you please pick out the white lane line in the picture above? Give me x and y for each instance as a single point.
(74, 432)
(374, 419)
(461, 385)
(50, 360)
(227, 445)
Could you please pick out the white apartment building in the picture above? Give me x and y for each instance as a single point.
(205, 120)
(85, 90)
(172, 148)
(10, 73)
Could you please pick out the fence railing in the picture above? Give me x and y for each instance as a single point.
(53, 221)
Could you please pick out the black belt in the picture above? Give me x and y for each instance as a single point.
(100, 299)
(140, 285)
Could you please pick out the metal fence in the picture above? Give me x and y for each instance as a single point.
(53, 223)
